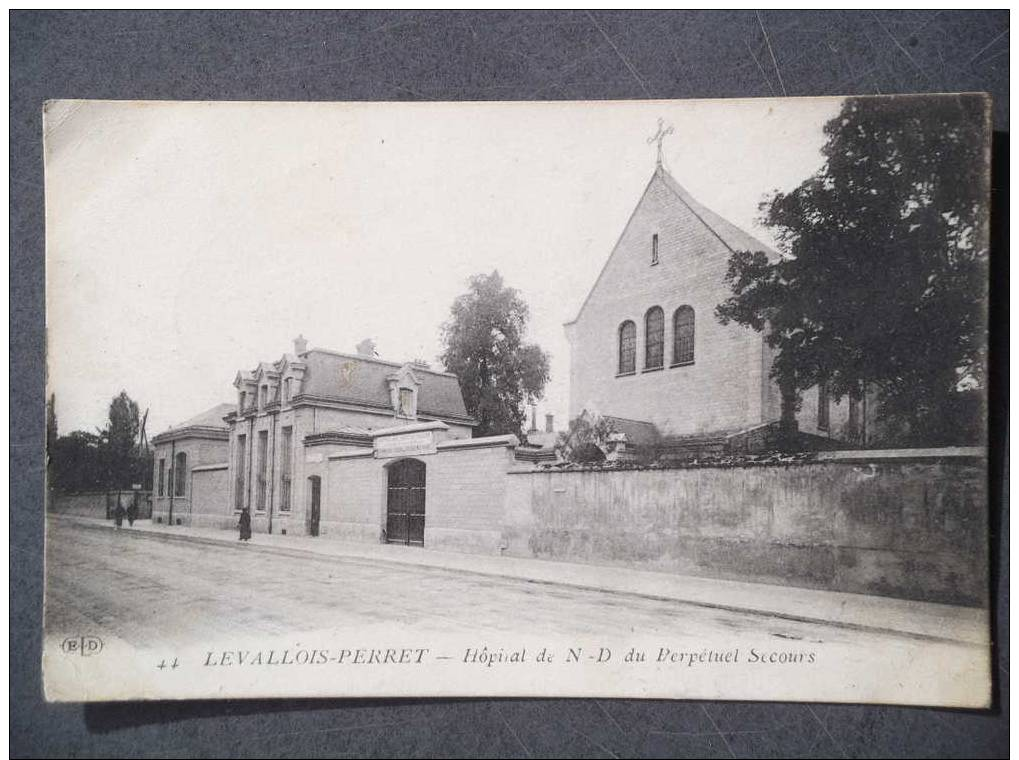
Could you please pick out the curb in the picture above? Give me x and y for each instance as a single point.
(305, 554)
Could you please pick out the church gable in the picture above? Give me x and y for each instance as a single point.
(670, 240)
(646, 344)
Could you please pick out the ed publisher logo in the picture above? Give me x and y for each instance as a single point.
(86, 646)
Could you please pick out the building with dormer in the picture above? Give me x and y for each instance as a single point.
(293, 413)
(289, 417)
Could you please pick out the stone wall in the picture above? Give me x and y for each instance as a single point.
(354, 498)
(210, 497)
(465, 492)
(466, 495)
(910, 524)
(98, 504)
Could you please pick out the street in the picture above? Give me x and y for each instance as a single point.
(144, 590)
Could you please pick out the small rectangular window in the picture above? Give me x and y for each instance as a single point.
(406, 402)
(822, 407)
(239, 483)
(286, 468)
(262, 471)
(180, 474)
(654, 249)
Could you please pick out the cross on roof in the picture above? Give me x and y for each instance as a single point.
(659, 136)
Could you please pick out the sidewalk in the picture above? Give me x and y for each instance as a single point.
(871, 613)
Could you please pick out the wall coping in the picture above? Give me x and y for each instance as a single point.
(206, 432)
(869, 455)
(209, 467)
(63, 494)
(857, 456)
(491, 441)
(339, 438)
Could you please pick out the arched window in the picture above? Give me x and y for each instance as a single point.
(682, 335)
(654, 336)
(180, 473)
(627, 348)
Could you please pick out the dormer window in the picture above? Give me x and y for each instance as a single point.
(243, 401)
(403, 390)
(263, 396)
(287, 390)
(654, 249)
(406, 402)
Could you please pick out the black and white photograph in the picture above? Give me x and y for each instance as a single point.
(680, 399)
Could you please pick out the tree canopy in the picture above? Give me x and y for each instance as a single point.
(484, 347)
(882, 281)
(112, 457)
(586, 439)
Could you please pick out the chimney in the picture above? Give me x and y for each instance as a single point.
(549, 427)
(300, 344)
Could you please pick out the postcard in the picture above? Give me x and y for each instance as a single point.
(664, 399)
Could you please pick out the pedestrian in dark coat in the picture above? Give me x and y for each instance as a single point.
(244, 525)
(118, 516)
(132, 515)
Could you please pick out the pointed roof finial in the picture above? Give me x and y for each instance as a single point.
(659, 136)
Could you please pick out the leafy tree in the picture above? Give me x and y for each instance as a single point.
(77, 462)
(484, 347)
(106, 459)
(121, 437)
(586, 439)
(883, 279)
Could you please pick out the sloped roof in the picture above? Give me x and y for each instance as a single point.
(209, 419)
(364, 380)
(734, 238)
(636, 431)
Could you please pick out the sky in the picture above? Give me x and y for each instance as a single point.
(187, 241)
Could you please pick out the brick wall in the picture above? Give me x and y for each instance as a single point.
(913, 526)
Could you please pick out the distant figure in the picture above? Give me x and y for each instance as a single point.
(244, 525)
(132, 514)
(118, 516)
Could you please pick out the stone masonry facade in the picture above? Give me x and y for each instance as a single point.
(674, 253)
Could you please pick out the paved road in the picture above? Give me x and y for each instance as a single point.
(143, 589)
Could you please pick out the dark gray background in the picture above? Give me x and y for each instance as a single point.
(470, 56)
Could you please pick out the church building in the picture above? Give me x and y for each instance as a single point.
(647, 350)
